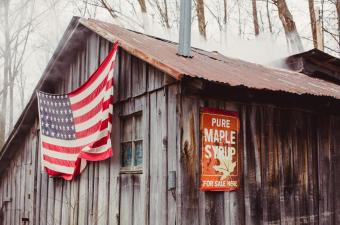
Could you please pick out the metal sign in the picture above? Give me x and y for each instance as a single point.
(219, 158)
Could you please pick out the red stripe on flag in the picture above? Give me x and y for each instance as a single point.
(95, 75)
(54, 173)
(62, 162)
(94, 111)
(96, 156)
(62, 149)
(90, 97)
(99, 126)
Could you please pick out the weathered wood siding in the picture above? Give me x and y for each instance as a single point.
(101, 194)
(290, 161)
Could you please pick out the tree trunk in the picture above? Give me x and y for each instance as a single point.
(142, 5)
(225, 18)
(268, 17)
(313, 22)
(201, 18)
(293, 38)
(163, 13)
(11, 109)
(338, 14)
(7, 64)
(166, 16)
(255, 19)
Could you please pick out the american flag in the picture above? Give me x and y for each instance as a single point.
(76, 127)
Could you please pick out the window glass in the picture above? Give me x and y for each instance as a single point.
(132, 143)
(138, 153)
(127, 154)
(138, 127)
(127, 129)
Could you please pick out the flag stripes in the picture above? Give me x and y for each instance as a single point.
(76, 127)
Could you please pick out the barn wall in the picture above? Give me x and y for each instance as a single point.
(290, 163)
(101, 194)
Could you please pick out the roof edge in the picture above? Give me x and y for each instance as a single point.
(132, 50)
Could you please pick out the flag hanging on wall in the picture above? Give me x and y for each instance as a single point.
(76, 127)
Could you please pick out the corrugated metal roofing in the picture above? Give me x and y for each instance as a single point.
(210, 65)
(320, 56)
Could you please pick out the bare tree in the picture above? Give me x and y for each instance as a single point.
(142, 5)
(255, 19)
(7, 58)
(225, 10)
(201, 18)
(268, 17)
(17, 27)
(338, 15)
(288, 23)
(313, 22)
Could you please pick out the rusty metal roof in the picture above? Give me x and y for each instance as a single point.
(319, 56)
(211, 66)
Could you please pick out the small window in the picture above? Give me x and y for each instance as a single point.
(132, 143)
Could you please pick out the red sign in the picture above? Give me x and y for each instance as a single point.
(219, 160)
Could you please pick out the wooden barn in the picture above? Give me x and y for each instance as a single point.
(288, 140)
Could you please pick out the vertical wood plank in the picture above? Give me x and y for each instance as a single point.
(172, 122)
(325, 170)
(58, 198)
(335, 122)
(114, 191)
(313, 198)
(126, 202)
(137, 208)
(103, 167)
(188, 185)
(125, 75)
(138, 76)
(287, 167)
(66, 207)
(158, 159)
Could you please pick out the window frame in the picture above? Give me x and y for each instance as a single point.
(132, 168)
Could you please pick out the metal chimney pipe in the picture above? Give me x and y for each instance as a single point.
(184, 46)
